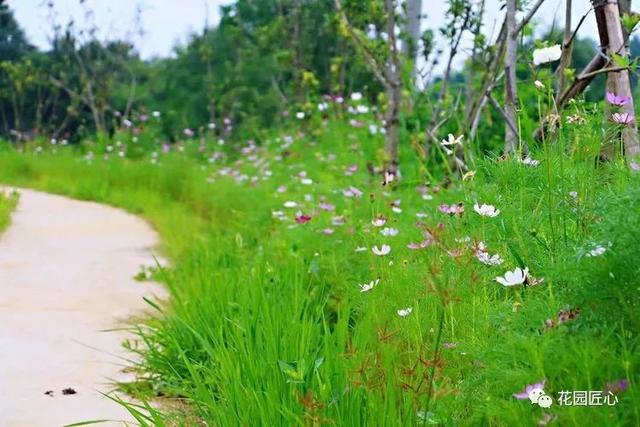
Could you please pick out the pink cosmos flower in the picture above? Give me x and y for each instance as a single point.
(617, 386)
(352, 192)
(622, 118)
(455, 209)
(523, 395)
(351, 170)
(327, 206)
(617, 100)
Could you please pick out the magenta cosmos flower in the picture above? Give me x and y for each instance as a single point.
(301, 218)
(622, 118)
(617, 100)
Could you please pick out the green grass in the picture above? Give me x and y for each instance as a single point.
(267, 324)
(8, 202)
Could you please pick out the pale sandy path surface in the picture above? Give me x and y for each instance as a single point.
(66, 271)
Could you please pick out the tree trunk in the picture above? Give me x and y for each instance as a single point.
(410, 44)
(473, 65)
(511, 91)
(565, 61)
(613, 40)
(414, 13)
(394, 96)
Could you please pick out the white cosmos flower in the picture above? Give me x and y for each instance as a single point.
(492, 260)
(452, 140)
(389, 231)
(368, 286)
(547, 54)
(528, 161)
(598, 250)
(362, 109)
(379, 222)
(323, 106)
(356, 96)
(300, 115)
(404, 312)
(383, 250)
(513, 278)
(486, 210)
(290, 204)
(539, 84)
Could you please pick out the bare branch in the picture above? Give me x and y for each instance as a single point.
(528, 16)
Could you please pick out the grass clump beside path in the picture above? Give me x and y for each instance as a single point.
(8, 202)
(303, 292)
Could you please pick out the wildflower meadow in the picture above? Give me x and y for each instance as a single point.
(366, 251)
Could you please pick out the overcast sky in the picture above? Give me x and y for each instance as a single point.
(168, 22)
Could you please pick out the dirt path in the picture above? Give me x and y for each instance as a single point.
(66, 271)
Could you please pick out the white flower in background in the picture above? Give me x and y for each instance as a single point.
(598, 250)
(404, 312)
(513, 278)
(323, 106)
(382, 251)
(388, 178)
(547, 54)
(300, 115)
(156, 114)
(539, 84)
(362, 109)
(373, 129)
(306, 181)
(290, 204)
(452, 140)
(389, 231)
(492, 260)
(356, 96)
(379, 221)
(486, 210)
(528, 161)
(368, 286)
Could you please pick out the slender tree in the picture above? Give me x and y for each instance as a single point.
(412, 38)
(511, 90)
(567, 42)
(613, 41)
(387, 71)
